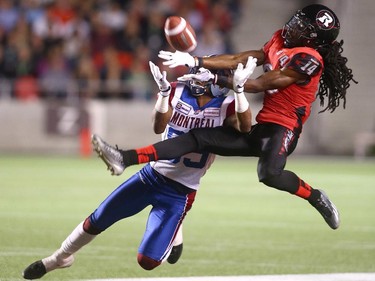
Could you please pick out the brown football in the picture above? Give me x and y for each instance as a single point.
(179, 34)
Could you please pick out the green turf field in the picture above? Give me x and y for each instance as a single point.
(237, 226)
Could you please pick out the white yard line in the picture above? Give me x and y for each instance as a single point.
(292, 277)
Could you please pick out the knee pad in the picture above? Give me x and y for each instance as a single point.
(147, 263)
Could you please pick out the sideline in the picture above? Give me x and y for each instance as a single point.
(291, 277)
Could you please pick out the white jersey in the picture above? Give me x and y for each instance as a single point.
(189, 168)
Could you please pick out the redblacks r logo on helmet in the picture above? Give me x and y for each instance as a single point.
(325, 20)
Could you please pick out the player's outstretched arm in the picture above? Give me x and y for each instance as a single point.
(162, 112)
(224, 61)
(202, 75)
(242, 108)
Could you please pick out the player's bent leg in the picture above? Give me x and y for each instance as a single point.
(146, 262)
(290, 182)
(317, 198)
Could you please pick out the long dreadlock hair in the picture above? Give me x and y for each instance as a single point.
(336, 76)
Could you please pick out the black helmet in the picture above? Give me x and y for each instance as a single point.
(199, 88)
(314, 26)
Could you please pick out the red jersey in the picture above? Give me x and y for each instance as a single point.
(291, 106)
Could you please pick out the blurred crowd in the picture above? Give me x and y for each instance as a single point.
(99, 48)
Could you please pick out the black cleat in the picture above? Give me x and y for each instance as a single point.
(175, 254)
(35, 270)
(327, 209)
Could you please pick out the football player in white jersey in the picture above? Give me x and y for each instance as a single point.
(169, 186)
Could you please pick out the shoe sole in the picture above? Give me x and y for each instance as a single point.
(335, 213)
(99, 151)
(97, 142)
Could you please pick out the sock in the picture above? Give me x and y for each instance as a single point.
(146, 154)
(304, 190)
(307, 192)
(58, 259)
(76, 240)
(139, 155)
(63, 257)
(164, 150)
(290, 182)
(130, 157)
(179, 238)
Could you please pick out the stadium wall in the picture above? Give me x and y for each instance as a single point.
(58, 128)
(45, 127)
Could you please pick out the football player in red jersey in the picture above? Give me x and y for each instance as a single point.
(301, 61)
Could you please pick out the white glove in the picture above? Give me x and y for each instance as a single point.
(241, 74)
(176, 59)
(202, 75)
(160, 79)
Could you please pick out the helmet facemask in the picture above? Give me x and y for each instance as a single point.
(198, 88)
(299, 32)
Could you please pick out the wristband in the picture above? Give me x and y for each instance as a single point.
(241, 103)
(215, 79)
(162, 103)
(165, 93)
(198, 61)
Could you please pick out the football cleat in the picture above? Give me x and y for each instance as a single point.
(38, 269)
(175, 254)
(111, 156)
(35, 270)
(327, 209)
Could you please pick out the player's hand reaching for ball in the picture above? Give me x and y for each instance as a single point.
(202, 75)
(160, 79)
(176, 59)
(241, 74)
